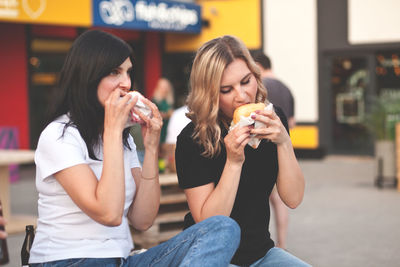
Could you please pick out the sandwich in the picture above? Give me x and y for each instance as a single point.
(134, 118)
(242, 117)
(246, 110)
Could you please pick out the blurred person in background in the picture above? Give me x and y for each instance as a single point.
(177, 122)
(219, 172)
(90, 182)
(163, 97)
(136, 132)
(279, 95)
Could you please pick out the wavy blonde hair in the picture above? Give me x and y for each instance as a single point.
(211, 60)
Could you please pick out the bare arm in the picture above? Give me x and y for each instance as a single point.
(103, 199)
(209, 200)
(144, 207)
(290, 182)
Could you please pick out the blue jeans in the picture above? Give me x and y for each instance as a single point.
(211, 242)
(277, 257)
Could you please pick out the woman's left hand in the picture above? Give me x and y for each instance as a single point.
(290, 182)
(151, 128)
(274, 130)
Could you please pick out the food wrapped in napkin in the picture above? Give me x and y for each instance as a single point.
(242, 117)
(134, 118)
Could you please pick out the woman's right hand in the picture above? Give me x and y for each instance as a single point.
(151, 127)
(210, 199)
(103, 199)
(235, 141)
(117, 110)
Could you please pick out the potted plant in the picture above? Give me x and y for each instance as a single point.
(381, 122)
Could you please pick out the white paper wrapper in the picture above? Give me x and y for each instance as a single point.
(134, 118)
(245, 121)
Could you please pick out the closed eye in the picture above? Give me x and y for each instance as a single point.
(114, 72)
(246, 79)
(226, 89)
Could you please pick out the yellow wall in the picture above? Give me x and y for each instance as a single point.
(241, 18)
(305, 136)
(70, 12)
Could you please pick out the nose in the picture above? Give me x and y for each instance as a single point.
(125, 82)
(241, 95)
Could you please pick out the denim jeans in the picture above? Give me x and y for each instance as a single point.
(277, 257)
(211, 242)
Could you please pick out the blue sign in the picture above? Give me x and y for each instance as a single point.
(148, 15)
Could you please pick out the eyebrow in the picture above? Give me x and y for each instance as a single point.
(119, 68)
(247, 75)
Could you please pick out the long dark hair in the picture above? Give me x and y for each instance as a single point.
(93, 55)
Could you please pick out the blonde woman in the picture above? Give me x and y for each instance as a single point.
(90, 182)
(220, 173)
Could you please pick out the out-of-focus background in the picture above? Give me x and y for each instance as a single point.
(339, 58)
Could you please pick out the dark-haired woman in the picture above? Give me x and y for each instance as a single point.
(90, 182)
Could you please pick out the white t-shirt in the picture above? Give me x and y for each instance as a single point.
(176, 123)
(63, 230)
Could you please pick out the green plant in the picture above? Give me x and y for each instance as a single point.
(383, 115)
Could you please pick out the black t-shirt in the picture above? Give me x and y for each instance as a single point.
(251, 208)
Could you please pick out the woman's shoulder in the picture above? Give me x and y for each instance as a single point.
(57, 130)
(187, 131)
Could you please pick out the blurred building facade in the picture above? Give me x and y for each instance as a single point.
(36, 35)
(333, 55)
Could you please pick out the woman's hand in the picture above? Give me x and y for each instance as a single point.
(145, 206)
(116, 110)
(274, 130)
(151, 128)
(210, 199)
(235, 141)
(290, 181)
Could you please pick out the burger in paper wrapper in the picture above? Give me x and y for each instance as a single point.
(134, 118)
(242, 117)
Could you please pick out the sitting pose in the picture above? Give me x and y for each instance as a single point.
(220, 173)
(90, 182)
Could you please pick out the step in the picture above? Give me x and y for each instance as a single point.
(167, 217)
(173, 198)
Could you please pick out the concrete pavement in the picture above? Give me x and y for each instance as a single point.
(344, 219)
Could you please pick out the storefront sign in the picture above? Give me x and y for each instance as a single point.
(71, 12)
(147, 15)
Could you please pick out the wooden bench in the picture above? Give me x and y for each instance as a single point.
(15, 223)
(169, 221)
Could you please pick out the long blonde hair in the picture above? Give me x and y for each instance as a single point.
(205, 79)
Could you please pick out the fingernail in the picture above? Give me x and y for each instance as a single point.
(253, 116)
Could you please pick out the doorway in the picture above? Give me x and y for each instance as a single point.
(350, 85)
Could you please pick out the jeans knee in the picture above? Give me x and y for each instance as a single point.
(227, 228)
